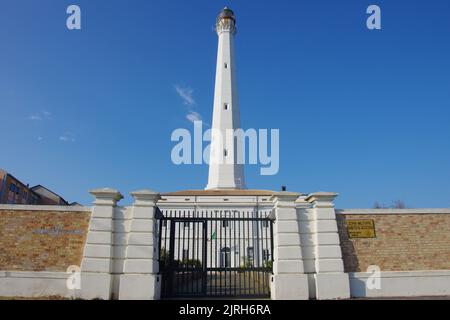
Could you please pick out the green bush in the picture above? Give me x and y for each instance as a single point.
(268, 264)
(191, 263)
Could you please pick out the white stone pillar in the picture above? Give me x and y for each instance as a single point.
(330, 279)
(140, 279)
(289, 282)
(96, 278)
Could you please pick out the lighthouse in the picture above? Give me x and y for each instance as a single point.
(225, 171)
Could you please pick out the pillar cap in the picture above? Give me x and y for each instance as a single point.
(286, 196)
(321, 197)
(145, 196)
(106, 196)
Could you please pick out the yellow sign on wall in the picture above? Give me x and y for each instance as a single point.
(361, 228)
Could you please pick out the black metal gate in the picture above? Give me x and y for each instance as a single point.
(215, 253)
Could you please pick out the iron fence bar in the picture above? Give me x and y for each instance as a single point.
(271, 242)
(171, 256)
(204, 273)
(178, 248)
(190, 261)
(163, 267)
(245, 257)
(229, 254)
(183, 241)
(194, 252)
(161, 256)
(191, 256)
(203, 248)
(220, 253)
(234, 245)
(215, 255)
(258, 252)
(269, 254)
(248, 253)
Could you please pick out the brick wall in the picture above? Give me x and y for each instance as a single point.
(404, 242)
(42, 240)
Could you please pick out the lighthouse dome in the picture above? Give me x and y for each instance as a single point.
(226, 13)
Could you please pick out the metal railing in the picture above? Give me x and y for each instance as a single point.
(215, 252)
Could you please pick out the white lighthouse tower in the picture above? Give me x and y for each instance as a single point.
(224, 170)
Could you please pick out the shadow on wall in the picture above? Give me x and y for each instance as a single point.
(358, 287)
(351, 262)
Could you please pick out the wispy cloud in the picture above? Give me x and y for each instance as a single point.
(47, 114)
(67, 137)
(35, 118)
(42, 115)
(193, 116)
(186, 94)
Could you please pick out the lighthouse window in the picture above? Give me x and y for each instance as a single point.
(225, 152)
(225, 106)
(226, 65)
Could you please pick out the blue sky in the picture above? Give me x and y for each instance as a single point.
(362, 113)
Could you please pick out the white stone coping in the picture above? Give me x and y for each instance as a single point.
(34, 274)
(402, 274)
(394, 211)
(24, 207)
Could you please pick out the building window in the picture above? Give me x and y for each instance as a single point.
(225, 257)
(225, 106)
(225, 65)
(250, 256)
(266, 255)
(185, 254)
(225, 223)
(250, 252)
(225, 152)
(12, 187)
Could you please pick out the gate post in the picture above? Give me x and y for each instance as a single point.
(96, 266)
(140, 279)
(330, 279)
(289, 282)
